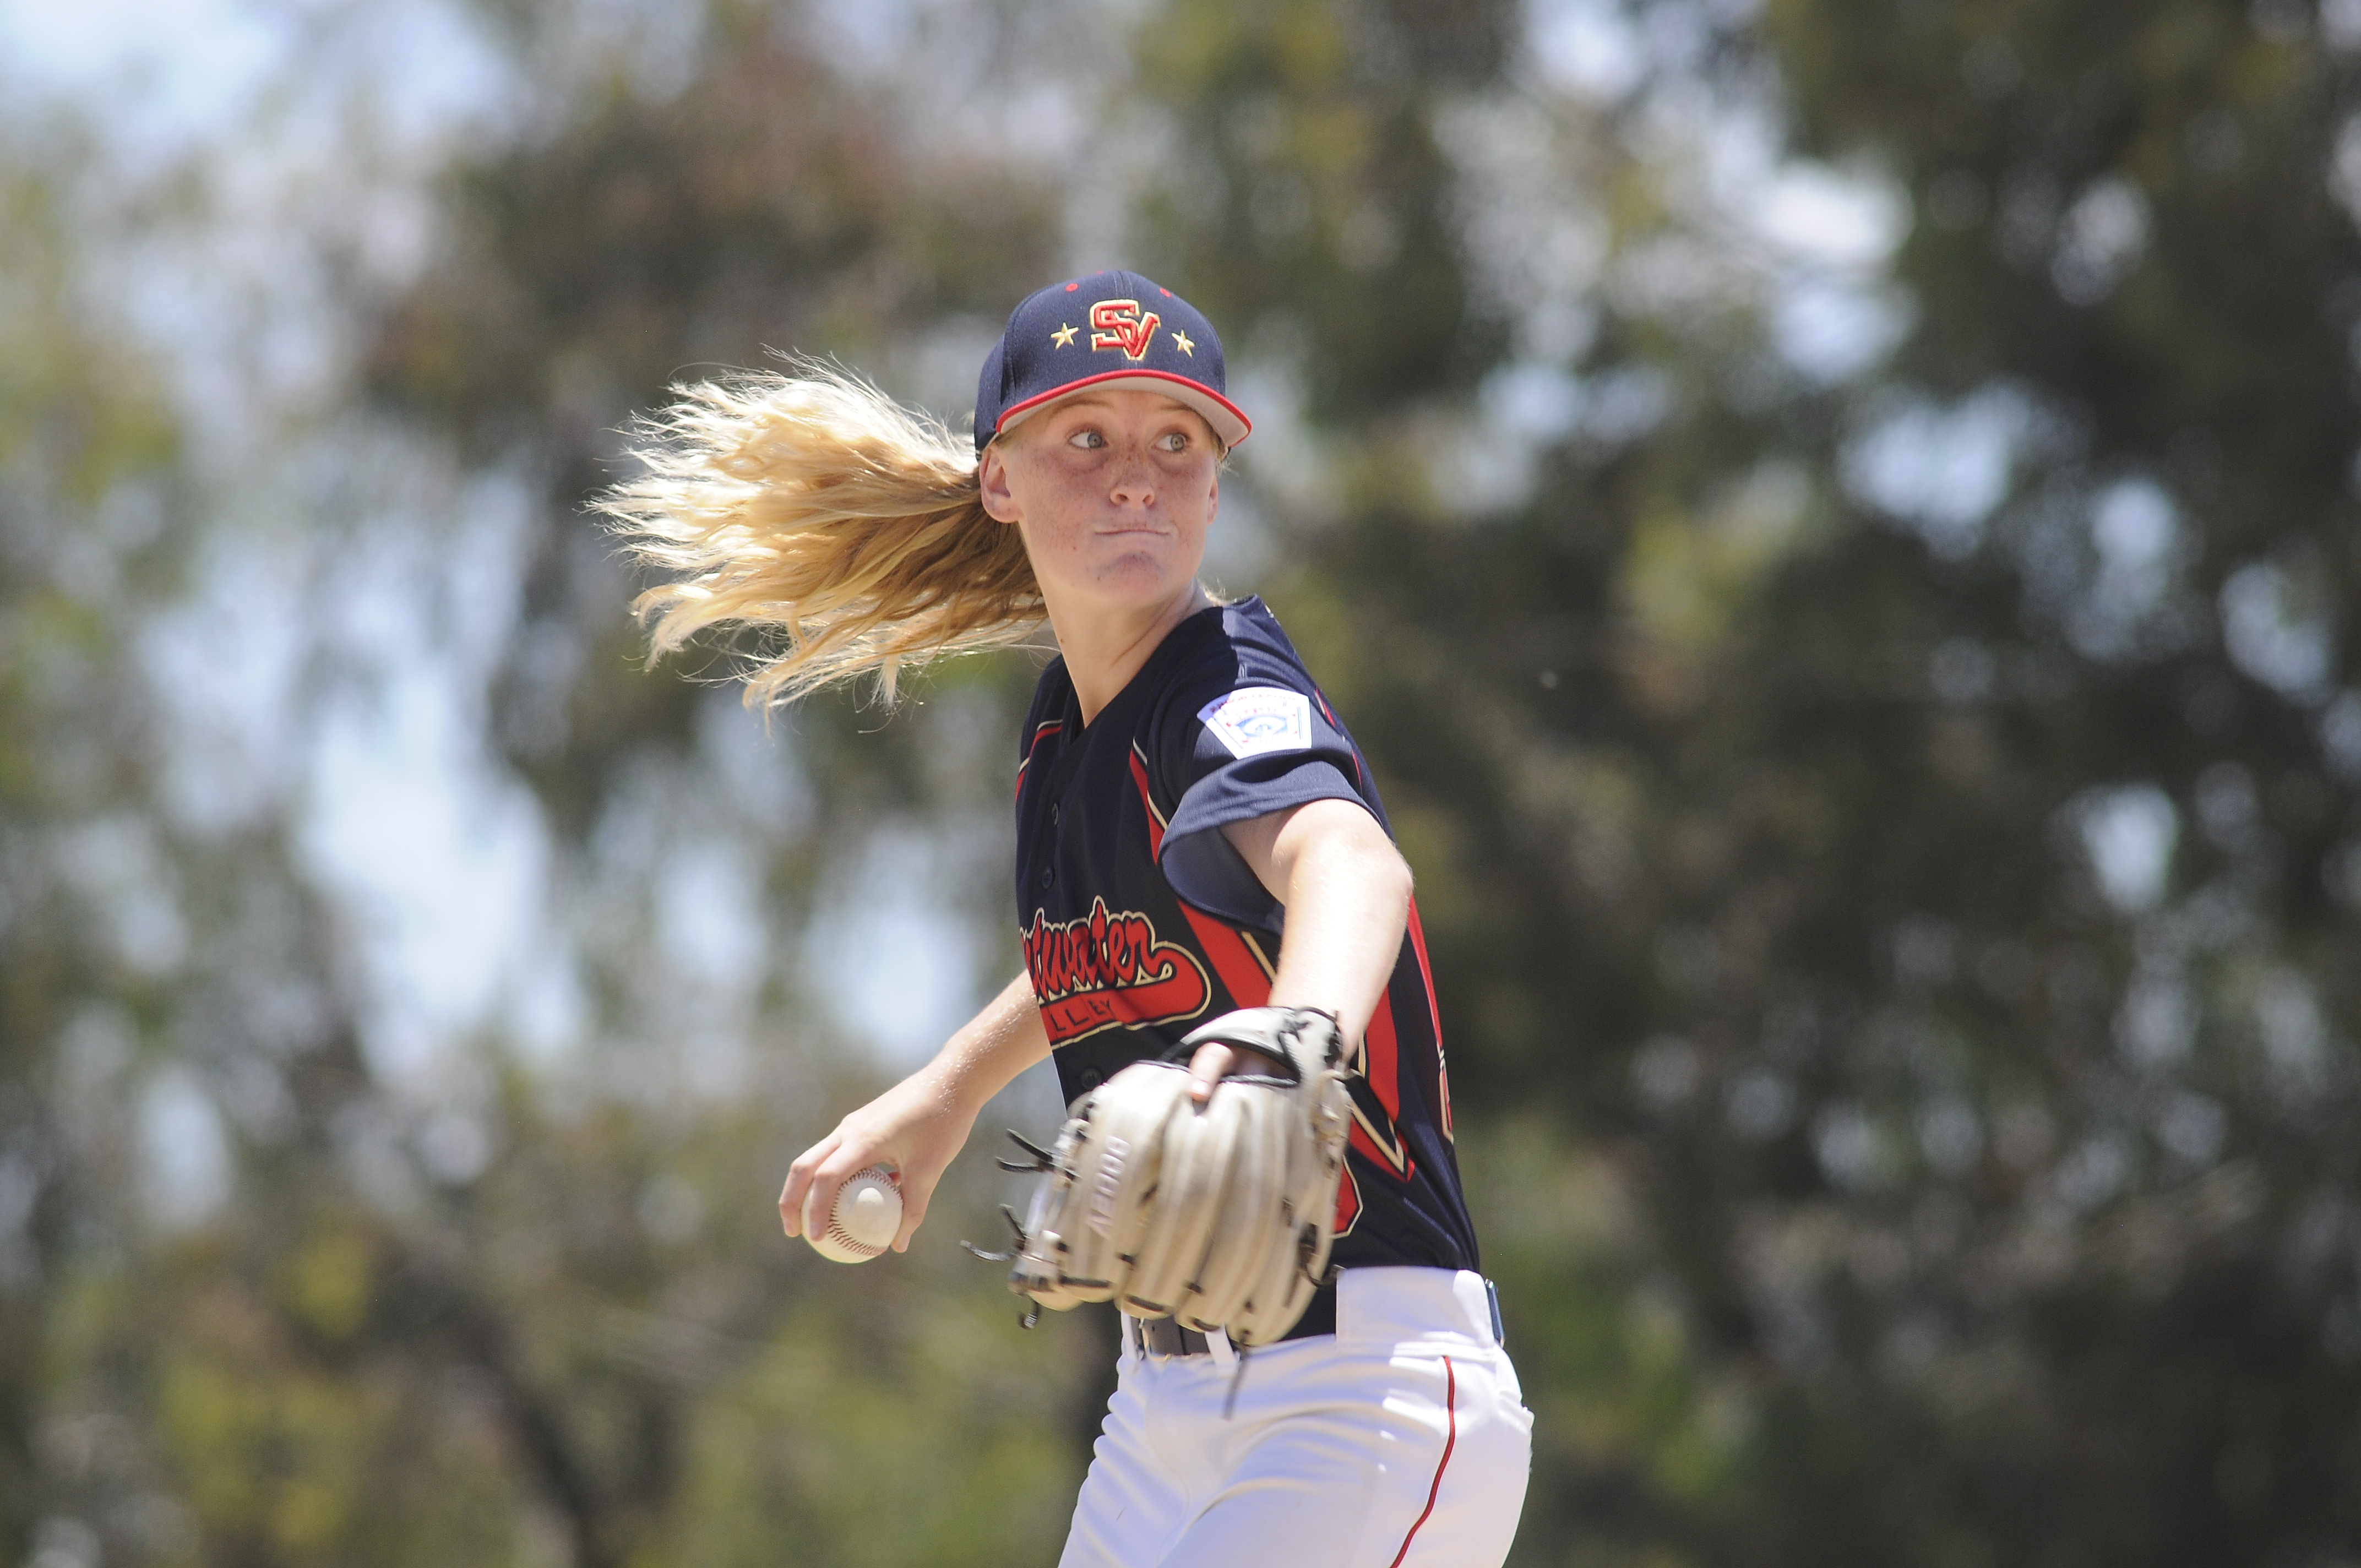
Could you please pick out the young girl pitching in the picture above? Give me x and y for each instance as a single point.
(1197, 833)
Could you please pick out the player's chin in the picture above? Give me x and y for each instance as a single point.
(1143, 578)
(1158, 559)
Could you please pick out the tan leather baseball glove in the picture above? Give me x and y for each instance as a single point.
(1220, 1216)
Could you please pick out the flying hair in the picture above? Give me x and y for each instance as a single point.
(808, 504)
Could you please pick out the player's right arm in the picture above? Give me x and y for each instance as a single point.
(920, 1124)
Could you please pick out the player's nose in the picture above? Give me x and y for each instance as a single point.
(1134, 482)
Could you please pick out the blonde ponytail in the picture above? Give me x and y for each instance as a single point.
(812, 505)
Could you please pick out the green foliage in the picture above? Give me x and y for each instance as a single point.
(1879, 1166)
(86, 461)
(540, 1372)
(1310, 203)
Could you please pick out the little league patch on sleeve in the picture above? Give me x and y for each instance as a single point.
(1254, 721)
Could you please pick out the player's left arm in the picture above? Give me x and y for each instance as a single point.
(1347, 892)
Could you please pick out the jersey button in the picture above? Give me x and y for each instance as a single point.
(1048, 876)
(1053, 814)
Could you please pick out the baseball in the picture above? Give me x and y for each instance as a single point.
(868, 1212)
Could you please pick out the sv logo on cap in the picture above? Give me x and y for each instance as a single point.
(1118, 323)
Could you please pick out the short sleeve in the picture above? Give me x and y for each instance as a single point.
(1233, 752)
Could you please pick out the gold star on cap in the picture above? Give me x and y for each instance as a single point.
(1063, 337)
(1187, 347)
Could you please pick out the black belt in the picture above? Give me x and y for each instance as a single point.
(1165, 1337)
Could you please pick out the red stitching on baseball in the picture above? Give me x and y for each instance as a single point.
(844, 1238)
(1450, 1440)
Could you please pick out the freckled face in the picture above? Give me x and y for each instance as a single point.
(1112, 491)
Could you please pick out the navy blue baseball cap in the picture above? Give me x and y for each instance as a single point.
(1110, 329)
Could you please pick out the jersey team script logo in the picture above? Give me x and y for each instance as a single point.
(1108, 970)
(1118, 323)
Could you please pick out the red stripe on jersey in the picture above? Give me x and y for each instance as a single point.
(1243, 976)
(1348, 1201)
(1155, 817)
(1385, 1058)
(1270, 965)
(1381, 1065)
(1040, 734)
(1435, 1018)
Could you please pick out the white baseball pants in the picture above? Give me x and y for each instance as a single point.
(1401, 1441)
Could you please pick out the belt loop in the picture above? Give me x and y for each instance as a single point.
(1218, 1342)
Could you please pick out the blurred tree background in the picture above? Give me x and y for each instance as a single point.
(1837, 523)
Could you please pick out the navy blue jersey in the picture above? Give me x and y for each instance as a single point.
(1141, 922)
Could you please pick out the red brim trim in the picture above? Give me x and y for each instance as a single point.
(1228, 423)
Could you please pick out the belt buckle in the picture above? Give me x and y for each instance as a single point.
(1165, 1337)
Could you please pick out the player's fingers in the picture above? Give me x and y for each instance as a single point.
(829, 1174)
(791, 1203)
(820, 1201)
(915, 1194)
(1206, 1068)
(799, 1177)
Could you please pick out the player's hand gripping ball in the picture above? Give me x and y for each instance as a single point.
(868, 1212)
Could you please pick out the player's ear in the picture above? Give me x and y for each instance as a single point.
(992, 480)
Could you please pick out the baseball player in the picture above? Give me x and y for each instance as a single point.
(1202, 859)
